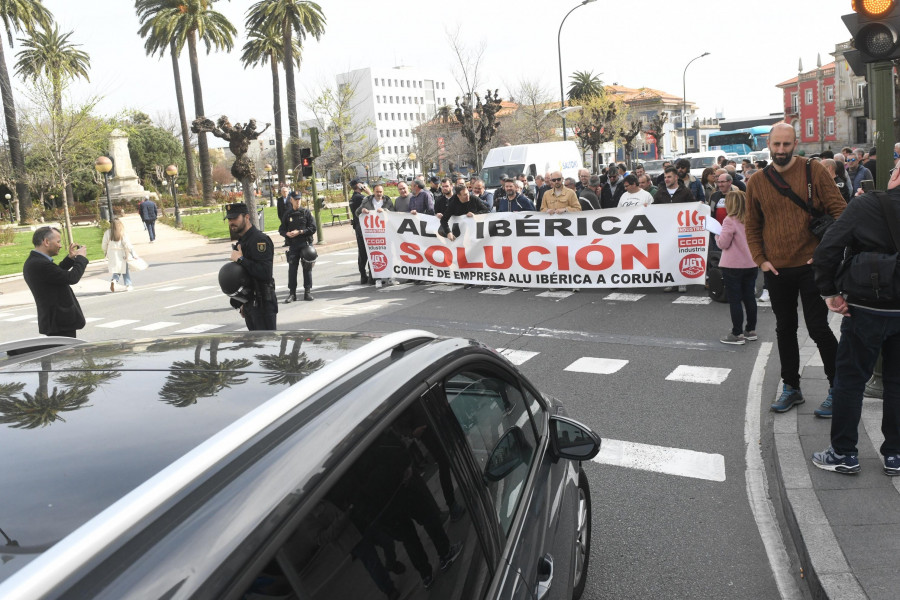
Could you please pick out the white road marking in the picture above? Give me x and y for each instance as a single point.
(498, 291)
(19, 318)
(349, 310)
(444, 287)
(621, 297)
(168, 288)
(693, 374)
(517, 357)
(197, 300)
(598, 366)
(350, 288)
(201, 328)
(757, 484)
(155, 326)
(395, 288)
(692, 300)
(345, 253)
(92, 319)
(347, 262)
(119, 323)
(659, 459)
(202, 288)
(559, 295)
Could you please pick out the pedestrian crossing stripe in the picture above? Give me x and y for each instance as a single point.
(347, 262)
(119, 323)
(19, 318)
(444, 287)
(92, 319)
(694, 374)
(599, 366)
(395, 288)
(671, 461)
(692, 300)
(558, 295)
(498, 291)
(517, 357)
(156, 326)
(620, 297)
(169, 288)
(201, 328)
(203, 288)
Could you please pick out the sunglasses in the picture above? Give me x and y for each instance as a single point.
(851, 160)
(556, 179)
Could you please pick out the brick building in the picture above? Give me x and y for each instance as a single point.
(810, 106)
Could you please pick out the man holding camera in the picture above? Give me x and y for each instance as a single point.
(867, 292)
(782, 244)
(58, 310)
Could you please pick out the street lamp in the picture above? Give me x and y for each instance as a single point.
(172, 172)
(412, 159)
(268, 170)
(9, 204)
(684, 99)
(562, 93)
(104, 165)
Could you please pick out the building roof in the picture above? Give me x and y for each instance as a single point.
(794, 80)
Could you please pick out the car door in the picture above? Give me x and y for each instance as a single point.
(503, 425)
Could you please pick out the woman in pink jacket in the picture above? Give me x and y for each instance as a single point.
(738, 270)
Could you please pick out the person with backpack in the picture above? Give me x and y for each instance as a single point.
(738, 270)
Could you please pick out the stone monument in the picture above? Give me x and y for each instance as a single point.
(124, 184)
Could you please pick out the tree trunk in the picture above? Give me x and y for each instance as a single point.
(68, 221)
(293, 125)
(205, 167)
(12, 134)
(185, 132)
(276, 108)
(250, 200)
(70, 195)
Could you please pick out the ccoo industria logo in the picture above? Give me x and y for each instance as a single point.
(690, 220)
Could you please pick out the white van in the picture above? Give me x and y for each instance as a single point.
(702, 160)
(531, 159)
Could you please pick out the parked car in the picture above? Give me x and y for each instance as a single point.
(654, 168)
(286, 465)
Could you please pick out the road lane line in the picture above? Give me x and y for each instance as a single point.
(757, 485)
(193, 301)
(201, 328)
(119, 323)
(692, 300)
(156, 326)
(19, 318)
(659, 459)
(201, 288)
(168, 288)
(517, 357)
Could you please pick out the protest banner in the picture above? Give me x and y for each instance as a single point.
(658, 245)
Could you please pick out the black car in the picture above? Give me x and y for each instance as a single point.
(286, 465)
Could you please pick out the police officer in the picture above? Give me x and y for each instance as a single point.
(297, 227)
(253, 251)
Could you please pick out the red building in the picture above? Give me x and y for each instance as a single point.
(810, 106)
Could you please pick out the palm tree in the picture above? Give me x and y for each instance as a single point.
(266, 46)
(183, 21)
(295, 18)
(190, 381)
(584, 84)
(288, 369)
(51, 55)
(157, 44)
(18, 15)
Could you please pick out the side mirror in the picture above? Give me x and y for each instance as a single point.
(511, 451)
(572, 440)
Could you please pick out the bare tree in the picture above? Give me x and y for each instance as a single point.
(596, 123)
(467, 61)
(627, 133)
(426, 146)
(656, 128)
(478, 121)
(529, 124)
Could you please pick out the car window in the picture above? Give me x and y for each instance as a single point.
(495, 420)
(395, 525)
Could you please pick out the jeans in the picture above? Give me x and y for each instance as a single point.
(783, 291)
(126, 276)
(293, 264)
(741, 287)
(151, 229)
(862, 336)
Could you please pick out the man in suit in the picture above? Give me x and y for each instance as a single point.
(283, 203)
(58, 310)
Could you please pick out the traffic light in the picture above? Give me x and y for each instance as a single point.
(306, 162)
(875, 27)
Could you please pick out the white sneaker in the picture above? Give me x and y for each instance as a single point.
(764, 297)
(682, 288)
(128, 288)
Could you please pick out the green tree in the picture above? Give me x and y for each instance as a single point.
(157, 40)
(183, 22)
(18, 15)
(296, 19)
(151, 146)
(584, 85)
(266, 46)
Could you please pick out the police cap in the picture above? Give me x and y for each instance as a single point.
(233, 211)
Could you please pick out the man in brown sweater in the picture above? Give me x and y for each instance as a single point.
(782, 245)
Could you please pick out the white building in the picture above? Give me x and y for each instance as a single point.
(394, 101)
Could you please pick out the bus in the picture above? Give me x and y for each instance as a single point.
(741, 141)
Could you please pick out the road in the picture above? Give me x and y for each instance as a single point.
(643, 368)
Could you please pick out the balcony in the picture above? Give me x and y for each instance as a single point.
(853, 103)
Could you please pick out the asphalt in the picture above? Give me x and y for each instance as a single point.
(846, 528)
(170, 244)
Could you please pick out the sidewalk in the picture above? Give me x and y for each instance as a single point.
(170, 242)
(846, 528)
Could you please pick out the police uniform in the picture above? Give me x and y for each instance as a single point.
(302, 220)
(258, 254)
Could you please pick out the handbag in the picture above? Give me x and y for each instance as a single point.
(136, 262)
(819, 221)
(873, 276)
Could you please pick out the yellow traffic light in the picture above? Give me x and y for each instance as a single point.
(873, 8)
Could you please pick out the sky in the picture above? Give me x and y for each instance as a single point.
(644, 43)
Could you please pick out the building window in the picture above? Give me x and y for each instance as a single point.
(809, 95)
(392, 116)
(384, 166)
(401, 83)
(407, 133)
(860, 90)
(375, 84)
(379, 116)
(795, 102)
(829, 93)
(810, 128)
(692, 142)
(394, 132)
(829, 125)
(404, 99)
(380, 133)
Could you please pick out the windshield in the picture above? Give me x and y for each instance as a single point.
(654, 165)
(491, 175)
(701, 162)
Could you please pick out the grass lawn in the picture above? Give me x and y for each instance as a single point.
(212, 225)
(13, 256)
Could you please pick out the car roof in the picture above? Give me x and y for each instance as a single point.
(86, 426)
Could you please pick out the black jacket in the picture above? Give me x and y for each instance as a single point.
(258, 255)
(455, 208)
(610, 198)
(861, 228)
(683, 194)
(304, 221)
(282, 205)
(841, 183)
(591, 197)
(356, 201)
(540, 195)
(442, 202)
(50, 284)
